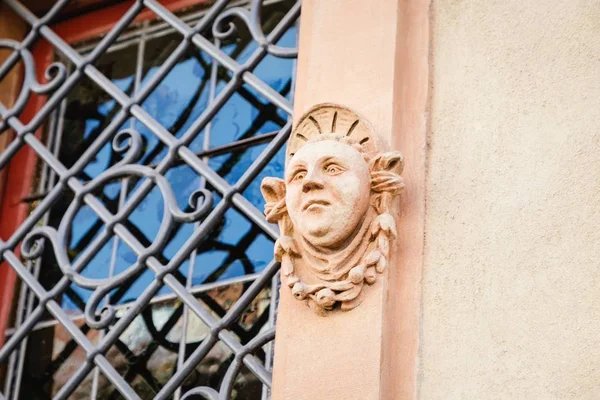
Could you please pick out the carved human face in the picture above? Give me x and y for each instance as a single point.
(328, 192)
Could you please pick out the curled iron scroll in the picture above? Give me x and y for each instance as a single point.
(224, 28)
(233, 370)
(56, 74)
(237, 363)
(32, 244)
(206, 392)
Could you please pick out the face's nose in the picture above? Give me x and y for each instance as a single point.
(312, 182)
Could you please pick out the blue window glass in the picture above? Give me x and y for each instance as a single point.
(237, 247)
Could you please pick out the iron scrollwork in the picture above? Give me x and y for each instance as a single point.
(128, 144)
(233, 370)
(200, 201)
(56, 73)
(224, 28)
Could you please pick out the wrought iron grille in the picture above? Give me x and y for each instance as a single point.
(119, 170)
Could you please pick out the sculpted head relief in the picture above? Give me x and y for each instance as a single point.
(327, 194)
(334, 208)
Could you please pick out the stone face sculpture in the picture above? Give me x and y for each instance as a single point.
(334, 208)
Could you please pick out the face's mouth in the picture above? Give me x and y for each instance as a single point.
(314, 202)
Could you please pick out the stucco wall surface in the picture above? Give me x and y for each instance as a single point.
(511, 279)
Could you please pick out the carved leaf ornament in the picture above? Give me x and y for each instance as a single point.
(334, 208)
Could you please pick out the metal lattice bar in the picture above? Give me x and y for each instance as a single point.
(156, 128)
(178, 153)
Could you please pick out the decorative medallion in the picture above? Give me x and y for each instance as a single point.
(334, 208)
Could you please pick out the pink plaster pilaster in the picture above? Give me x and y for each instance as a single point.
(371, 56)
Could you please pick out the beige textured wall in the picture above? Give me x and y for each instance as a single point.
(511, 281)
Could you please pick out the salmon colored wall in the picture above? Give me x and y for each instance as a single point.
(511, 279)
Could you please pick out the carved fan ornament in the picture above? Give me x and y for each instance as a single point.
(334, 208)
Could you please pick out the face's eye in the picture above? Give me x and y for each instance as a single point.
(333, 169)
(299, 176)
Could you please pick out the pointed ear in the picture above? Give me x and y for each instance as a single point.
(273, 189)
(391, 161)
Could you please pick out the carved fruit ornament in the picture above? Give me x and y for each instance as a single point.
(334, 208)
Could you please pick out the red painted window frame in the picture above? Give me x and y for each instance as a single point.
(22, 168)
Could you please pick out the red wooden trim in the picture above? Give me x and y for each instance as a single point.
(99, 22)
(19, 183)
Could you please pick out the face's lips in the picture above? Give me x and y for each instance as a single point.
(315, 201)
